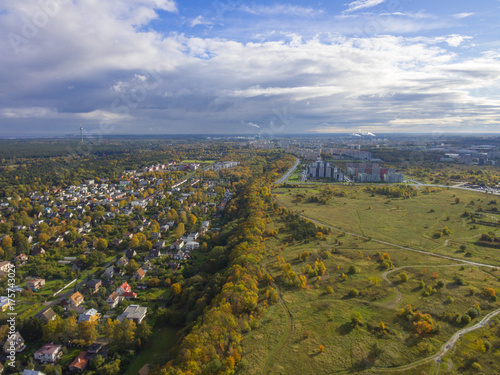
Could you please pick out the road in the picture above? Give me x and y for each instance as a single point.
(419, 184)
(287, 175)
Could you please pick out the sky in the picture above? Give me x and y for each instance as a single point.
(217, 67)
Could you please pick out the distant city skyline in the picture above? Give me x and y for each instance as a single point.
(230, 66)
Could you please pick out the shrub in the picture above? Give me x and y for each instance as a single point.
(473, 312)
(403, 276)
(440, 284)
(476, 366)
(466, 319)
(329, 289)
(353, 269)
(321, 348)
(353, 292)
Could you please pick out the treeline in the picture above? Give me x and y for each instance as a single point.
(300, 228)
(213, 344)
(400, 191)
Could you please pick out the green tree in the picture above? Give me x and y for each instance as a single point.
(101, 244)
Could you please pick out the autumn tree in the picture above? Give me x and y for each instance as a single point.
(101, 244)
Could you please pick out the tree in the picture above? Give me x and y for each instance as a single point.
(6, 242)
(87, 331)
(353, 269)
(403, 276)
(353, 292)
(101, 244)
(179, 231)
(131, 267)
(176, 288)
(356, 318)
(143, 333)
(192, 219)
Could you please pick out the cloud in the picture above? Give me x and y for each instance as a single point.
(281, 10)
(199, 21)
(462, 15)
(455, 40)
(362, 4)
(120, 70)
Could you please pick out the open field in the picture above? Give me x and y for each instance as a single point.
(157, 352)
(335, 330)
(409, 222)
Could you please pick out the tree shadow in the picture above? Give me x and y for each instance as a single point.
(345, 328)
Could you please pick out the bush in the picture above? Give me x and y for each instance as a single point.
(353, 292)
(353, 269)
(329, 289)
(440, 284)
(473, 312)
(476, 366)
(466, 319)
(403, 276)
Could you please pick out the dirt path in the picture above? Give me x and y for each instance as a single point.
(437, 358)
(283, 343)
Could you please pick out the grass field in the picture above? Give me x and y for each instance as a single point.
(322, 338)
(157, 351)
(409, 222)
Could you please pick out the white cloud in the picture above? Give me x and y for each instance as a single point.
(456, 40)
(362, 4)
(462, 15)
(200, 21)
(105, 52)
(281, 9)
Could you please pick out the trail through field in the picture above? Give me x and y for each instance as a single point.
(399, 296)
(283, 342)
(444, 349)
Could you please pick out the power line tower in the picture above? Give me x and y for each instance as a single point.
(81, 132)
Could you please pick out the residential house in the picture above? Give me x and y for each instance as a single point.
(204, 226)
(160, 245)
(80, 363)
(5, 266)
(49, 353)
(109, 273)
(135, 313)
(48, 315)
(35, 284)
(147, 265)
(75, 300)
(177, 245)
(15, 343)
(139, 275)
(124, 288)
(93, 285)
(130, 253)
(191, 245)
(37, 250)
(116, 242)
(155, 236)
(114, 299)
(193, 236)
(32, 372)
(123, 261)
(20, 260)
(154, 253)
(90, 315)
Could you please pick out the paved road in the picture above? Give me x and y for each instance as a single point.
(287, 175)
